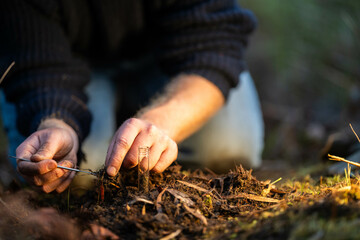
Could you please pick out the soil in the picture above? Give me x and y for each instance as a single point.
(184, 204)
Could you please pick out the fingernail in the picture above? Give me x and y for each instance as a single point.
(111, 171)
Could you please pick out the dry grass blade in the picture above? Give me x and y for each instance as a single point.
(139, 199)
(171, 235)
(196, 213)
(354, 132)
(194, 186)
(340, 159)
(254, 197)
(7, 71)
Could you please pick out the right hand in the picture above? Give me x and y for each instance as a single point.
(55, 143)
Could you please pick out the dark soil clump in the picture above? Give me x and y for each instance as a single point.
(195, 203)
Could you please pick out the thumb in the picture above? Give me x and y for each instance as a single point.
(46, 150)
(48, 146)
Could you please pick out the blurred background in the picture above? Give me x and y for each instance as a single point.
(304, 58)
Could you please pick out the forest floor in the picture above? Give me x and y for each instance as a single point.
(198, 204)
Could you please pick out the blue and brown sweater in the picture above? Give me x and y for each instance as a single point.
(54, 41)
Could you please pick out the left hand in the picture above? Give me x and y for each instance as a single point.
(134, 133)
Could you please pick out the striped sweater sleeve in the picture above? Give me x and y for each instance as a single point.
(47, 80)
(207, 38)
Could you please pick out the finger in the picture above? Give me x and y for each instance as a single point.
(51, 186)
(65, 184)
(29, 147)
(142, 140)
(166, 159)
(122, 142)
(109, 151)
(56, 173)
(36, 168)
(155, 153)
(47, 150)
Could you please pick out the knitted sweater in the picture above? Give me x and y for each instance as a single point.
(53, 41)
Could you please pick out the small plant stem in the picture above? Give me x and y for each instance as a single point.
(68, 200)
(279, 179)
(354, 132)
(7, 71)
(340, 159)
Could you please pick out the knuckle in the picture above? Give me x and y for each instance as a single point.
(132, 121)
(151, 129)
(115, 161)
(122, 142)
(164, 139)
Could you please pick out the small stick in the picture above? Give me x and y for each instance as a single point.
(7, 71)
(172, 235)
(340, 159)
(354, 132)
(200, 189)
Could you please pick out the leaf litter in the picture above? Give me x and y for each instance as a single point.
(201, 205)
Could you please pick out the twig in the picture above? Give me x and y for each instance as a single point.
(172, 235)
(6, 72)
(194, 186)
(253, 197)
(340, 159)
(139, 199)
(354, 132)
(196, 213)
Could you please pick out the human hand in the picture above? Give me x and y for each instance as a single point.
(134, 133)
(55, 143)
